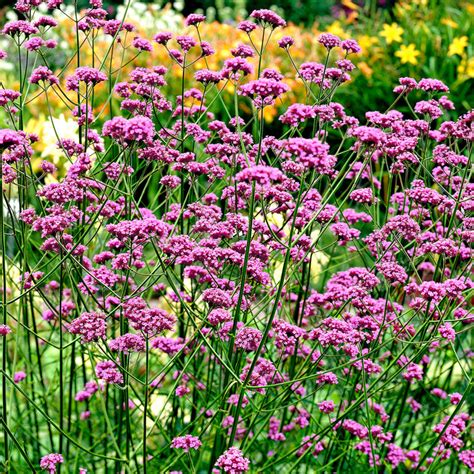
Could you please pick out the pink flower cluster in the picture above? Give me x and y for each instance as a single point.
(288, 294)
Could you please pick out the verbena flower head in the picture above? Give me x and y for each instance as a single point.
(264, 91)
(108, 371)
(233, 462)
(186, 443)
(19, 27)
(90, 326)
(19, 376)
(286, 42)
(4, 330)
(50, 462)
(163, 37)
(194, 19)
(329, 41)
(85, 74)
(43, 74)
(206, 76)
(268, 18)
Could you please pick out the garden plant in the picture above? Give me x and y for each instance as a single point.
(192, 287)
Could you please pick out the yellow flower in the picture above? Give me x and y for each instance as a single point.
(408, 54)
(336, 29)
(392, 33)
(365, 69)
(56, 128)
(366, 42)
(458, 46)
(402, 8)
(350, 4)
(466, 69)
(269, 113)
(449, 22)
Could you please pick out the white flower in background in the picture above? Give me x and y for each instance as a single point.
(151, 17)
(55, 128)
(6, 65)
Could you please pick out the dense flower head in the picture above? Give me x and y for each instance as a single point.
(297, 113)
(432, 85)
(4, 330)
(90, 326)
(43, 74)
(163, 37)
(286, 42)
(268, 17)
(186, 443)
(50, 462)
(350, 46)
(9, 138)
(243, 51)
(141, 44)
(264, 91)
(107, 371)
(326, 406)
(136, 129)
(329, 40)
(194, 19)
(19, 27)
(45, 21)
(85, 74)
(248, 339)
(235, 67)
(208, 76)
(19, 376)
(151, 321)
(233, 462)
(467, 458)
(186, 42)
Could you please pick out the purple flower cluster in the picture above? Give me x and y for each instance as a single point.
(268, 17)
(233, 462)
(50, 462)
(90, 326)
(284, 292)
(85, 74)
(107, 371)
(186, 443)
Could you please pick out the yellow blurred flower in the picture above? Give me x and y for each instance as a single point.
(335, 28)
(365, 69)
(402, 7)
(269, 113)
(392, 33)
(466, 69)
(350, 4)
(50, 130)
(56, 128)
(366, 42)
(408, 54)
(458, 46)
(449, 22)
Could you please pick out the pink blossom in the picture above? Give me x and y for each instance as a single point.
(50, 461)
(186, 443)
(233, 461)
